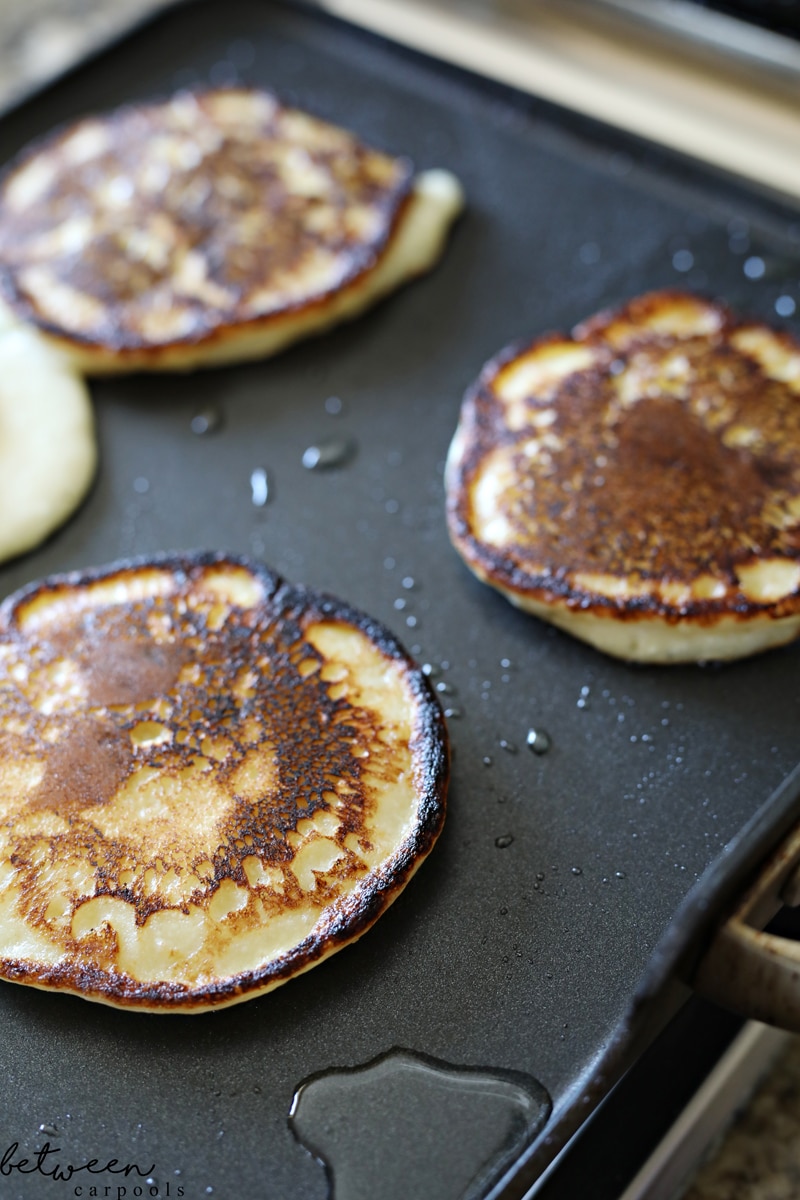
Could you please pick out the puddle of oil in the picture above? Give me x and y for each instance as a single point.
(407, 1125)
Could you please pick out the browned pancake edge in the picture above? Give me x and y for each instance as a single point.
(90, 758)
(279, 239)
(679, 495)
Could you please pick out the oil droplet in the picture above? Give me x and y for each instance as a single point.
(333, 406)
(411, 622)
(223, 74)
(208, 420)
(619, 874)
(620, 163)
(242, 53)
(576, 871)
(392, 507)
(509, 747)
(446, 688)
(683, 260)
(406, 1125)
(400, 603)
(259, 485)
(50, 1130)
(739, 239)
(453, 713)
(505, 663)
(389, 563)
(540, 875)
(754, 267)
(487, 760)
(785, 306)
(504, 841)
(327, 453)
(430, 669)
(408, 582)
(539, 741)
(141, 485)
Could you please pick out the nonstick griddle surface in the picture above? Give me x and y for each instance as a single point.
(522, 954)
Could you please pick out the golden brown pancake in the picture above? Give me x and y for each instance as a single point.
(638, 483)
(210, 781)
(214, 227)
(48, 452)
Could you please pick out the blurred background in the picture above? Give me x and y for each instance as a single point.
(718, 80)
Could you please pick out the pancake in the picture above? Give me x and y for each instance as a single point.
(214, 227)
(48, 452)
(210, 781)
(638, 483)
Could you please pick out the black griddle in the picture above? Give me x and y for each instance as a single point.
(542, 937)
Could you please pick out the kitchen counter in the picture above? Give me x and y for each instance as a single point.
(759, 1158)
(39, 39)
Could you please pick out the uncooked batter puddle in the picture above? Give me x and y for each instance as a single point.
(409, 1125)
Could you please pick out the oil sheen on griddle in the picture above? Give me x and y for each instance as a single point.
(409, 1125)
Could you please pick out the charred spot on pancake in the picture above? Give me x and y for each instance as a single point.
(210, 227)
(638, 483)
(209, 781)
